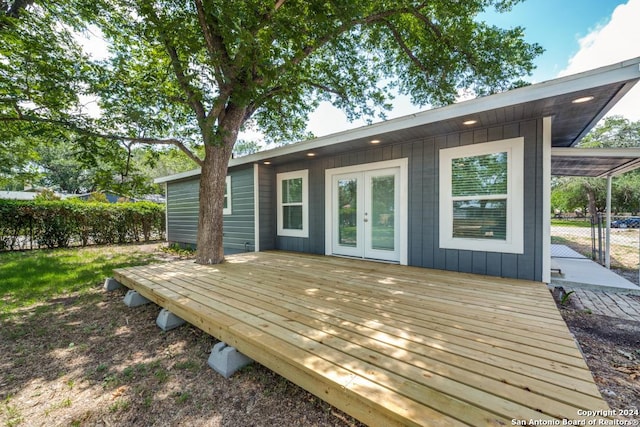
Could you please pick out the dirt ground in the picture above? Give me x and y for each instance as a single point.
(96, 362)
(88, 360)
(611, 348)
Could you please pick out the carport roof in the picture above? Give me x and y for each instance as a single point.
(594, 162)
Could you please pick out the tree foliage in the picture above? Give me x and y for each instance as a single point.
(192, 73)
(589, 194)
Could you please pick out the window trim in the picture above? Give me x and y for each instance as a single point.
(227, 210)
(304, 174)
(514, 242)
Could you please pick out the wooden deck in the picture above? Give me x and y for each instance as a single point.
(388, 344)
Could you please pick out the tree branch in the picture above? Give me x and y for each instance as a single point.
(441, 37)
(376, 17)
(183, 80)
(215, 48)
(328, 89)
(405, 48)
(137, 140)
(170, 141)
(14, 10)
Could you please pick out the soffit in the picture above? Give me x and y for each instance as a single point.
(594, 162)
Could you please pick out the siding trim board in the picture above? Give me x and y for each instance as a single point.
(256, 205)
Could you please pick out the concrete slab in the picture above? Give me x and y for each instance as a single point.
(584, 273)
(564, 251)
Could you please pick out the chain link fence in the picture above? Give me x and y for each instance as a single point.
(587, 236)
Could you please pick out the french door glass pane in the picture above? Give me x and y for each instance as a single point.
(480, 219)
(292, 217)
(382, 212)
(348, 212)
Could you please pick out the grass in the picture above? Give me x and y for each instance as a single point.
(13, 415)
(624, 257)
(27, 278)
(584, 223)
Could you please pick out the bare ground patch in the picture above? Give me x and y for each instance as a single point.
(88, 360)
(611, 348)
(85, 359)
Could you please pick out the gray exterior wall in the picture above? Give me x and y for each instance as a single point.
(267, 207)
(182, 212)
(423, 204)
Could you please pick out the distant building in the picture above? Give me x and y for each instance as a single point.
(24, 195)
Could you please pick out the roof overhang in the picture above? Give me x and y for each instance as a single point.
(594, 162)
(603, 87)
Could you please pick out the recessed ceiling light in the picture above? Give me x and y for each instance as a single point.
(311, 154)
(469, 122)
(583, 99)
(267, 162)
(375, 141)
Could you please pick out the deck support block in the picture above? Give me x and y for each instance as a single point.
(226, 360)
(167, 320)
(111, 284)
(134, 299)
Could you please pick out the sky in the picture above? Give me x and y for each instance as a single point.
(577, 35)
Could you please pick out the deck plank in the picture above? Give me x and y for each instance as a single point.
(296, 307)
(388, 344)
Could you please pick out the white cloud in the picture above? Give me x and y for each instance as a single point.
(615, 41)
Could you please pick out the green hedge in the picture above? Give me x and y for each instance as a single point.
(33, 224)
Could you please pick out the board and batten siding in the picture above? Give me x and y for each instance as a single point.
(182, 212)
(267, 206)
(423, 203)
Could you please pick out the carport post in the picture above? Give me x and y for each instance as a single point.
(607, 253)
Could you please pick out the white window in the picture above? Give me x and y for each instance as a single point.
(226, 210)
(481, 196)
(293, 203)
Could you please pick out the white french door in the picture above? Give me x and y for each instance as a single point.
(365, 214)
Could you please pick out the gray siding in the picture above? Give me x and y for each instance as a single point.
(423, 204)
(239, 227)
(267, 204)
(182, 212)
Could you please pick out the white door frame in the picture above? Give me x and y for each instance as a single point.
(403, 186)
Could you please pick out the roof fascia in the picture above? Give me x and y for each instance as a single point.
(595, 152)
(620, 72)
(177, 176)
(603, 152)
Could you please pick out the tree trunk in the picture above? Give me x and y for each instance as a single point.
(212, 187)
(210, 220)
(591, 194)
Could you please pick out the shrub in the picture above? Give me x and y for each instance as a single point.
(27, 224)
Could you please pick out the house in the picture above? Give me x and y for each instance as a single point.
(24, 195)
(18, 195)
(110, 196)
(464, 187)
